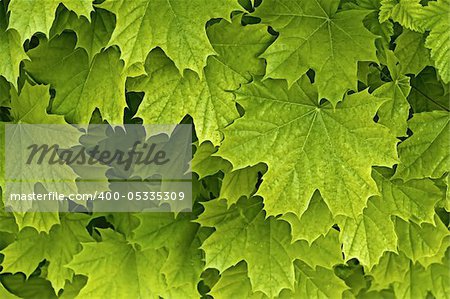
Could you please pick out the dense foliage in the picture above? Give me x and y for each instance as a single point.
(321, 146)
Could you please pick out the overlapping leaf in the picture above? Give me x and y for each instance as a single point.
(42, 14)
(313, 35)
(170, 96)
(176, 26)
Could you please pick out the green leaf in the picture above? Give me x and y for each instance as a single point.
(316, 221)
(204, 163)
(11, 51)
(239, 230)
(325, 251)
(33, 287)
(177, 27)
(428, 93)
(440, 277)
(170, 96)
(7, 221)
(234, 283)
(353, 275)
(309, 146)
(411, 52)
(313, 35)
(425, 153)
(391, 268)
(412, 200)
(181, 239)
(394, 112)
(370, 235)
(41, 221)
(72, 289)
(315, 283)
(117, 269)
(92, 36)
(81, 86)
(436, 18)
(58, 247)
(415, 283)
(5, 294)
(406, 12)
(418, 241)
(4, 92)
(30, 106)
(437, 258)
(447, 193)
(241, 182)
(41, 14)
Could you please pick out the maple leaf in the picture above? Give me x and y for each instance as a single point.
(170, 96)
(313, 35)
(428, 93)
(314, 222)
(238, 230)
(11, 51)
(308, 146)
(391, 268)
(418, 281)
(324, 252)
(437, 257)
(4, 92)
(415, 283)
(425, 153)
(41, 14)
(412, 200)
(337, 219)
(436, 18)
(370, 235)
(315, 283)
(411, 52)
(395, 111)
(4, 293)
(204, 163)
(29, 107)
(58, 247)
(241, 182)
(7, 221)
(176, 26)
(440, 276)
(92, 36)
(130, 277)
(418, 241)
(42, 221)
(406, 12)
(234, 283)
(81, 86)
(182, 239)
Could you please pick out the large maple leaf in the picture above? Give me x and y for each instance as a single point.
(309, 146)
